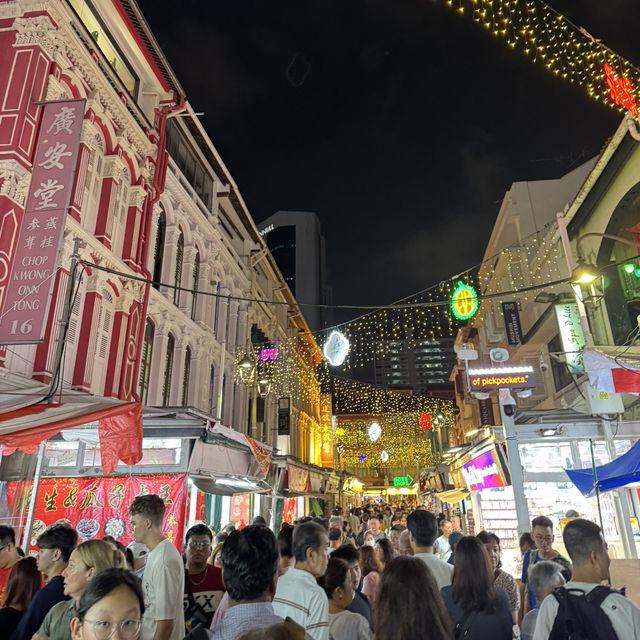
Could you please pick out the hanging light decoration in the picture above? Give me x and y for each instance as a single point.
(336, 348)
(375, 431)
(384, 456)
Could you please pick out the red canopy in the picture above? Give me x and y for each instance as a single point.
(119, 427)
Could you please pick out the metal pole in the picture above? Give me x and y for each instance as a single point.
(595, 484)
(64, 319)
(26, 534)
(515, 467)
(223, 348)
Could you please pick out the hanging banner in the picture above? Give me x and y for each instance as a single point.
(97, 507)
(572, 335)
(298, 479)
(512, 325)
(262, 455)
(290, 510)
(240, 505)
(28, 294)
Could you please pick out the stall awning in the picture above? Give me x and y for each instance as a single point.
(618, 473)
(613, 369)
(453, 496)
(119, 426)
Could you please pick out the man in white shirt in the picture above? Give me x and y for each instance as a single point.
(163, 579)
(442, 546)
(588, 552)
(298, 595)
(423, 531)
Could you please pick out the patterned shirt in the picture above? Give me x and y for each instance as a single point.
(242, 618)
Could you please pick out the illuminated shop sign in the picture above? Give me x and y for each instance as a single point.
(484, 472)
(501, 378)
(571, 334)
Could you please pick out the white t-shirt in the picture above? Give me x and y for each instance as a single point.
(624, 615)
(442, 548)
(163, 588)
(347, 625)
(442, 571)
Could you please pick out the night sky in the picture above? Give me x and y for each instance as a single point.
(401, 123)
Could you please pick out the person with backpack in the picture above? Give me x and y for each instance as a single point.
(584, 609)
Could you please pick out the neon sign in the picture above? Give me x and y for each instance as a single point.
(336, 348)
(501, 378)
(402, 481)
(620, 89)
(484, 472)
(425, 421)
(464, 301)
(268, 354)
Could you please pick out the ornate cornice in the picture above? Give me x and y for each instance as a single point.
(15, 181)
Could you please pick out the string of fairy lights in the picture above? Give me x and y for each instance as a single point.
(565, 49)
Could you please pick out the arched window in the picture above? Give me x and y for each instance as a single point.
(212, 388)
(145, 360)
(194, 285)
(120, 210)
(158, 251)
(168, 370)
(186, 377)
(177, 276)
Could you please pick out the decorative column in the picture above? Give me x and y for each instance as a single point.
(233, 322)
(175, 397)
(112, 169)
(156, 377)
(169, 260)
(118, 339)
(137, 196)
(186, 299)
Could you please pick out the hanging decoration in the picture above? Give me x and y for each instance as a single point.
(336, 348)
(384, 456)
(374, 431)
(464, 301)
(565, 49)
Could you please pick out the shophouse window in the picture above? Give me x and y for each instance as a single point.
(195, 279)
(120, 210)
(186, 377)
(177, 275)
(158, 251)
(93, 184)
(103, 341)
(168, 370)
(145, 361)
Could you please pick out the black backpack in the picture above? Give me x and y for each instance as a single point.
(580, 616)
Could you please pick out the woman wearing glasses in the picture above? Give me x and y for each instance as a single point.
(112, 601)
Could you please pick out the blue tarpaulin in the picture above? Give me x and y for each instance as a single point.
(622, 471)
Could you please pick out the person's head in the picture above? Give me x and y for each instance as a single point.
(351, 556)
(394, 536)
(374, 523)
(587, 549)
(403, 519)
(146, 514)
(542, 533)
(369, 561)
(335, 538)
(87, 560)
(124, 557)
(139, 553)
(259, 520)
(23, 583)
(472, 579)
(369, 539)
(337, 583)
(112, 600)
(454, 538)
(404, 543)
(525, 543)
(447, 528)
(385, 551)
(221, 536)
(8, 552)
(491, 543)
(285, 548)
(409, 604)
(336, 522)
(310, 542)
(198, 546)
(423, 529)
(250, 564)
(287, 630)
(572, 513)
(544, 577)
(216, 554)
(56, 544)
(456, 523)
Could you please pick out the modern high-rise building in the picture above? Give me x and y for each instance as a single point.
(416, 364)
(296, 242)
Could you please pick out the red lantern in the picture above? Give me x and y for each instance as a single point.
(425, 421)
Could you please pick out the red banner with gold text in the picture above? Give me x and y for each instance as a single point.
(97, 507)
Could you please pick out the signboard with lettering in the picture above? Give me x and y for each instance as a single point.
(571, 335)
(512, 325)
(28, 292)
(501, 378)
(97, 507)
(484, 472)
(402, 481)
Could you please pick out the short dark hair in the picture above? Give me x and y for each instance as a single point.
(7, 535)
(423, 526)
(285, 541)
(335, 534)
(104, 583)
(347, 552)
(374, 516)
(307, 535)
(486, 537)
(249, 562)
(150, 507)
(199, 530)
(542, 521)
(397, 527)
(334, 576)
(526, 538)
(59, 536)
(581, 537)
(259, 520)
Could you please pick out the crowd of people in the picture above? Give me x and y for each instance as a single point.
(384, 574)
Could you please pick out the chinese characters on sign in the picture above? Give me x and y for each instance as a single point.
(572, 335)
(425, 421)
(28, 293)
(97, 507)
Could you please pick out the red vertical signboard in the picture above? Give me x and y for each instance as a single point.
(28, 293)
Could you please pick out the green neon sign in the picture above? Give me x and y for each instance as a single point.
(464, 301)
(402, 481)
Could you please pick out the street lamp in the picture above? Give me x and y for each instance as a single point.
(584, 273)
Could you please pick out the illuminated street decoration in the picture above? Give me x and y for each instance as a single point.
(501, 378)
(362, 457)
(425, 421)
(375, 431)
(464, 301)
(268, 354)
(402, 481)
(336, 348)
(621, 89)
(384, 456)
